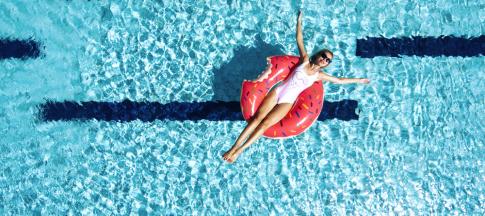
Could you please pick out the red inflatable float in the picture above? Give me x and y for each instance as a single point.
(305, 110)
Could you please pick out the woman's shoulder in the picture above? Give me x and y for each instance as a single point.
(304, 59)
(304, 63)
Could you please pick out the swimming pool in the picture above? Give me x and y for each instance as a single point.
(416, 147)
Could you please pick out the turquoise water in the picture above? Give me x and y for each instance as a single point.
(417, 147)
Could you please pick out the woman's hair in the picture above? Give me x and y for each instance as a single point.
(315, 56)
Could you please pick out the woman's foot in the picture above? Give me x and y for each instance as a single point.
(228, 154)
(234, 156)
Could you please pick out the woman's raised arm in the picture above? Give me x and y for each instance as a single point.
(299, 39)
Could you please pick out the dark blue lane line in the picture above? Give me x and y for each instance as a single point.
(371, 47)
(341, 110)
(21, 49)
(150, 111)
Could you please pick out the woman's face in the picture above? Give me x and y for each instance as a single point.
(324, 60)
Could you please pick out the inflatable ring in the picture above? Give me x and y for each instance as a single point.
(305, 110)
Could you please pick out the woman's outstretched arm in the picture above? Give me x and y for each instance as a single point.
(325, 77)
(299, 38)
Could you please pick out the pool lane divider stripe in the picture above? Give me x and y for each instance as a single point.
(371, 47)
(126, 110)
(20, 49)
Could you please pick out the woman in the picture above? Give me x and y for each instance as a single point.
(279, 100)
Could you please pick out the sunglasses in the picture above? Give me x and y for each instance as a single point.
(327, 59)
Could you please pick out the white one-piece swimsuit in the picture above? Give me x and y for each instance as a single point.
(299, 80)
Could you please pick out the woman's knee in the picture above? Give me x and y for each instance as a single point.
(266, 123)
(258, 117)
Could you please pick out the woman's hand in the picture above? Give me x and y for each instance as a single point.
(364, 81)
(300, 15)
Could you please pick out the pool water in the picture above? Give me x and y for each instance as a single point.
(416, 148)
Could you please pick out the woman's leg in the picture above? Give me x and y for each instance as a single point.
(276, 114)
(268, 103)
